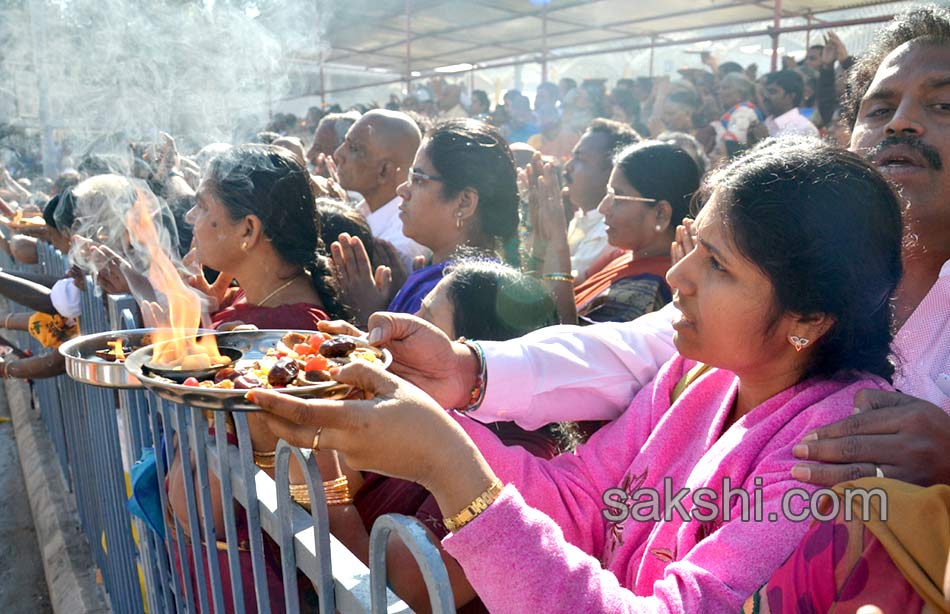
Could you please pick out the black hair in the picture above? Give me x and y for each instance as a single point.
(62, 202)
(495, 302)
(550, 87)
(619, 135)
(825, 227)
(789, 80)
(625, 99)
(268, 182)
(482, 97)
(337, 218)
(471, 154)
(686, 97)
(727, 68)
(662, 171)
(927, 24)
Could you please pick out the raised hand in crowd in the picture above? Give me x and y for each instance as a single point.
(216, 292)
(364, 290)
(11, 189)
(890, 433)
(551, 254)
(834, 50)
(327, 180)
(684, 242)
(6, 209)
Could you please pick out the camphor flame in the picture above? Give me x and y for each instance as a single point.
(177, 334)
(116, 347)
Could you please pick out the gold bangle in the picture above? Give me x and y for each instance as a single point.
(558, 277)
(6, 321)
(455, 522)
(300, 494)
(265, 460)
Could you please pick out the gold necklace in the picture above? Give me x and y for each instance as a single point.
(282, 287)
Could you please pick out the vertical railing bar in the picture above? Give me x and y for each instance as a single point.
(321, 524)
(227, 499)
(121, 556)
(182, 418)
(255, 533)
(162, 452)
(198, 428)
(416, 539)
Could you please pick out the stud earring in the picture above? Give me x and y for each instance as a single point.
(659, 228)
(244, 246)
(798, 343)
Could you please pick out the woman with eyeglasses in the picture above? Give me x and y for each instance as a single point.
(461, 199)
(648, 195)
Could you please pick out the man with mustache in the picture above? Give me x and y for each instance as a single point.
(900, 114)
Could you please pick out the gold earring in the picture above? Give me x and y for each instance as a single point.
(244, 246)
(458, 221)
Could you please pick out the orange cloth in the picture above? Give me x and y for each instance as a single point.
(52, 330)
(619, 268)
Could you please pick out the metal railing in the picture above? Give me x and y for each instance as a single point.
(98, 435)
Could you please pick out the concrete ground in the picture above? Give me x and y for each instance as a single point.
(22, 582)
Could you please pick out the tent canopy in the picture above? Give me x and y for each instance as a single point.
(403, 36)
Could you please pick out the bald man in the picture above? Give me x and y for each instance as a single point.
(374, 158)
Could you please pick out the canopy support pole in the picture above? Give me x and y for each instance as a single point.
(652, 53)
(776, 27)
(408, 46)
(544, 42)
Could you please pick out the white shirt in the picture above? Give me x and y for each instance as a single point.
(456, 112)
(385, 224)
(593, 372)
(791, 123)
(587, 239)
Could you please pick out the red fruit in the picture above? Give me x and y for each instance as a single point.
(317, 363)
(191, 381)
(303, 349)
(316, 340)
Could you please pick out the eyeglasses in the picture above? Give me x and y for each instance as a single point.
(417, 177)
(612, 195)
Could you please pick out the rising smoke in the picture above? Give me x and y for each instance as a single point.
(120, 70)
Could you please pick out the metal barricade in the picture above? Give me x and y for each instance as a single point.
(100, 433)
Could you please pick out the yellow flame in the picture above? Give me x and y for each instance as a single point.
(182, 303)
(117, 349)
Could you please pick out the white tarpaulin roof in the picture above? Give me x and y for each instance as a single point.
(379, 35)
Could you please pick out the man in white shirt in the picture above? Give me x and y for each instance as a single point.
(449, 103)
(783, 94)
(374, 159)
(587, 174)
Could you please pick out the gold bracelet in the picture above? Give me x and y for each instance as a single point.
(300, 494)
(6, 321)
(558, 277)
(265, 460)
(455, 522)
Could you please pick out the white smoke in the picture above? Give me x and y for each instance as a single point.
(120, 70)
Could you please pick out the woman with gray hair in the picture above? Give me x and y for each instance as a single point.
(737, 95)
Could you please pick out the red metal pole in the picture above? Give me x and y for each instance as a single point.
(807, 33)
(776, 26)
